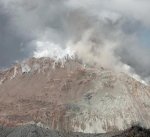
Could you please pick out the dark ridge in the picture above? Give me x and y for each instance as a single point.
(35, 131)
(135, 131)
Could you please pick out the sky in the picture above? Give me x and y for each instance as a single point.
(110, 33)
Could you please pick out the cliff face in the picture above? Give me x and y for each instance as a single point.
(71, 96)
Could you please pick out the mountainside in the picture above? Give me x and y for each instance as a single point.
(36, 131)
(68, 95)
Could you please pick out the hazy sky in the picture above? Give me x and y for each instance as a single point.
(109, 32)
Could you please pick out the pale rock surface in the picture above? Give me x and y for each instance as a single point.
(72, 96)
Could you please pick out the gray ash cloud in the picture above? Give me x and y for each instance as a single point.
(105, 32)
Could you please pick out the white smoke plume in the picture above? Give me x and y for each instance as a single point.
(47, 49)
(109, 33)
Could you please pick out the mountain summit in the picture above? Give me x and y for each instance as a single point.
(68, 95)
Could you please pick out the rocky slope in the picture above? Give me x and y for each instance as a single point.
(71, 96)
(36, 131)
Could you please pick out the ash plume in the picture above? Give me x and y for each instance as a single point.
(108, 33)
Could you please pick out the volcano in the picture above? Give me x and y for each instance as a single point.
(71, 96)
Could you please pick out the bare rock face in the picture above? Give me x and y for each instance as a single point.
(35, 131)
(72, 97)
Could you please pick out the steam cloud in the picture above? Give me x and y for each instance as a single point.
(111, 33)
